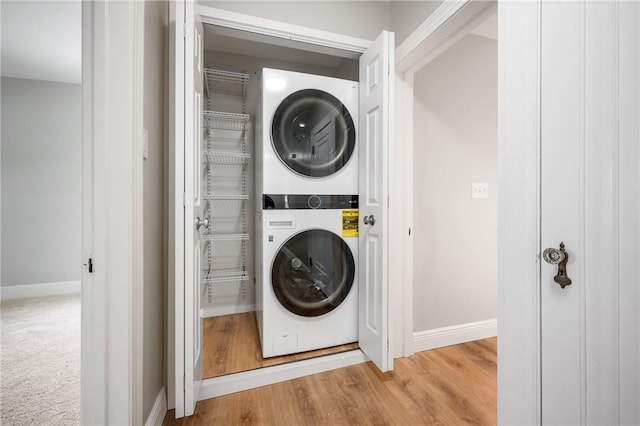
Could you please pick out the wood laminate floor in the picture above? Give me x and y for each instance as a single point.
(448, 386)
(232, 344)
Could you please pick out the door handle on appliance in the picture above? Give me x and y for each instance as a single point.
(558, 257)
(369, 220)
(201, 222)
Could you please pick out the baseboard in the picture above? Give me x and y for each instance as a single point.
(159, 410)
(238, 382)
(447, 336)
(216, 311)
(39, 290)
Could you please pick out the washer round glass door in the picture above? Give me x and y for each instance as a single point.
(313, 273)
(313, 133)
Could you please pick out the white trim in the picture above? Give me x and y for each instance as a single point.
(173, 193)
(137, 243)
(282, 30)
(158, 411)
(453, 335)
(176, 285)
(93, 365)
(216, 311)
(39, 290)
(107, 347)
(245, 380)
(449, 23)
(400, 242)
(391, 171)
(437, 19)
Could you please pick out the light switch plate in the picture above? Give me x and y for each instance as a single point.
(479, 190)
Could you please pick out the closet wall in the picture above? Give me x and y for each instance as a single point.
(455, 235)
(230, 297)
(154, 190)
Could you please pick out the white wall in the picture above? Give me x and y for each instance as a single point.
(362, 19)
(155, 21)
(406, 16)
(41, 181)
(455, 128)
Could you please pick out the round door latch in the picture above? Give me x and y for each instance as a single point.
(558, 257)
(369, 220)
(553, 256)
(202, 223)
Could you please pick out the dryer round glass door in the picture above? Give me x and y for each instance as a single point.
(313, 133)
(313, 272)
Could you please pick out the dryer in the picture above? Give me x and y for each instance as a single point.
(307, 289)
(307, 134)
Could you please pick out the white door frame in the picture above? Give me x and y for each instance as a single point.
(442, 29)
(329, 43)
(93, 313)
(111, 344)
(317, 40)
(518, 186)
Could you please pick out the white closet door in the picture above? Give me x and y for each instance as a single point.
(186, 131)
(376, 95)
(590, 330)
(194, 209)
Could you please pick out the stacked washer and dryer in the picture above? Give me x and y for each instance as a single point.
(306, 212)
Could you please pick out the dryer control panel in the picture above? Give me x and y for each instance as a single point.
(306, 202)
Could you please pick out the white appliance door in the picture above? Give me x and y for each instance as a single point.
(187, 90)
(312, 273)
(375, 130)
(313, 133)
(590, 329)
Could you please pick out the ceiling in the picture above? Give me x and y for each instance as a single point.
(227, 40)
(42, 40)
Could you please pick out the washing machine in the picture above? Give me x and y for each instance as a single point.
(306, 134)
(307, 288)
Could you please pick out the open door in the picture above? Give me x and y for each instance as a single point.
(187, 95)
(376, 113)
(195, 220)
(376, 90)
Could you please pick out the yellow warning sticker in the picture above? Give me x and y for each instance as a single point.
(349, 223)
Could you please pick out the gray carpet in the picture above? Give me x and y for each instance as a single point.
(40, 361)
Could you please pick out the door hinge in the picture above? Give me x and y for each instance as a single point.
(184, 31)
(89, 265)
(409, 231)
(184, 199)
